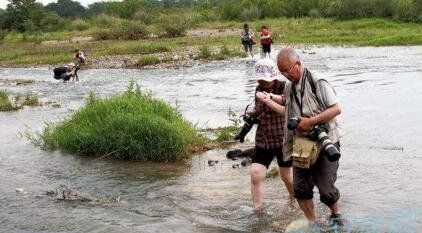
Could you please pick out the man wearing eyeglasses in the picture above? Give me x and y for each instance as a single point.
(314, 101)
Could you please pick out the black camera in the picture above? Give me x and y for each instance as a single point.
(249, 122)
(318, 133)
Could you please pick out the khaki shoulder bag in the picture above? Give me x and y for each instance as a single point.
(305, 152)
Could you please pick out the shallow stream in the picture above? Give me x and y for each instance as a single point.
(380, 90)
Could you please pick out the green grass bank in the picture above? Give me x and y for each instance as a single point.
(19, 49)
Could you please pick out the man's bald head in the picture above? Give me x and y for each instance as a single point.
(288, 63)
(288, 54)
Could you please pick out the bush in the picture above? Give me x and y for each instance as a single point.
(30, 100)
(3, 34)
(5, 103)
(363, 8)
(103, 34)
(79, 25)
(139, 15)
(126, 30)
(227, 133)
(204, 52)
(105, 21)
(132, 30)
(146, 16)
(382, 8)
(226, 53)
(51, 22)
(147, 60)
(314, 13)
(18, 101)
(208, 15)
(251, 13)
(406, 10)
(230, 10)
(147, 48)
(173, 25)
(130, 126)
(123, 9)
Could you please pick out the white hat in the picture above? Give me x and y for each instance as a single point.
(266, 70)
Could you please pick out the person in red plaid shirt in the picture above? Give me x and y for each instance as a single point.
(269, 134)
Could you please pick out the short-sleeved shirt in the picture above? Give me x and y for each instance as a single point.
(326, 94)
(269, 134)
(266, 41)
(247, 34)
(80, 56)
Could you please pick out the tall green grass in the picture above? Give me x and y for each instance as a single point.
(227, 133)
(222, 53)
(19, 100)
(148, 60)
(5, 103)
(130, 126)
(30, 100)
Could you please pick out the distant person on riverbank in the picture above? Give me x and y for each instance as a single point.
(247, 36)
(66, 72)
(80, 57)
(311, 106)
(269, 134)
(266, 41)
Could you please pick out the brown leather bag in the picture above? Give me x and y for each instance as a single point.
(252, 40)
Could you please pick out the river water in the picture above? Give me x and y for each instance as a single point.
(379, 177)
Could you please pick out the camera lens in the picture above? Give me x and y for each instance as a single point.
(332, 153)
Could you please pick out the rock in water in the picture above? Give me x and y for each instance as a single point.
(300, 226)
(19, 190)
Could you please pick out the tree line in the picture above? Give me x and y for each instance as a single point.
(30, 16)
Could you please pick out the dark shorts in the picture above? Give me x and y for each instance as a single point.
(322, 174)
(247, 45)
(266, 156)
(266, 48)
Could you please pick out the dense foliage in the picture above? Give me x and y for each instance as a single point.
(67, 8)
(29, 16)
(174, 16)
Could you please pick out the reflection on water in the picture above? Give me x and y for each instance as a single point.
(381, 94)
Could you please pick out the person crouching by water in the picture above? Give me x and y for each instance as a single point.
(266, 41)
(247, 40)
(311, 104)
(80, 57)
(66, 72)
(269, 134)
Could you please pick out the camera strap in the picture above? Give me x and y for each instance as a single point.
(302, 92)
(306, 76)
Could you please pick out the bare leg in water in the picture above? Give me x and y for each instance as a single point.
(258, 173)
